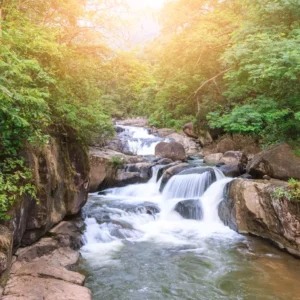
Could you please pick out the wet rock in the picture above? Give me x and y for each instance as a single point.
(119, 129)
(144, 169)
(232, 170)
(173, 151)
(278, 162)
(189, 209)
(162, 170)
(226, 209)
(213, 159)
(164, 161)
(251, 207)
(124, 178)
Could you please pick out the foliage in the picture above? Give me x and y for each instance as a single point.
(291, 192)
(15, 182)
(231, 65)
(52, 77)
(116, 162)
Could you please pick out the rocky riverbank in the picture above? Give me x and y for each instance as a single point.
(31, 262)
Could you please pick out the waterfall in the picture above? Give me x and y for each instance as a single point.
(138, 140)
(191, 184)
(188, 207)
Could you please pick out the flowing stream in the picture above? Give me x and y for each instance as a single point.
(138, 247)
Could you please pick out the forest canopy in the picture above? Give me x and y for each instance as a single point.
(231, 65)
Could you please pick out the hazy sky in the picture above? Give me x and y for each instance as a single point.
(144, 14)
(141, 4)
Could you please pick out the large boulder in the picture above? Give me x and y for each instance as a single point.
(278, 162)
(188, 129)
(234, 157)
(249, 207)
(104, 165)
(189, 209)
(213, 159)
(174, 151)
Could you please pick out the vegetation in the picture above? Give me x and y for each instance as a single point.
(231, 65)
(52, 71)
(116, 162)
(291, 192)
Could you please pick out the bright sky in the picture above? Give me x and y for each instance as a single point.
(141, 4)
(143, 14)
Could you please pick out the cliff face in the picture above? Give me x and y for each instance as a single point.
(61, 175)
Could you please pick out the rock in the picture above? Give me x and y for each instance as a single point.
(43, 269)
(190, 209)
(125, 178)
(226, 144)
(190, 145)
(171, 171)
(103, 168)
(188, 129)
(119, 129)
(234, 157)
(213, 159)
(144, 169)
(162, 170)
(205, 139)
(69, 234)
(226, 209)
(174, 151)
(278, 162)
(232, 170)
(34, 288)
(246, 176)
(164, 161)
(6, 248)
(61, 174)
(250, 207)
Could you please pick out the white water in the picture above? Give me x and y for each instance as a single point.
(139, 141)
(167, 228)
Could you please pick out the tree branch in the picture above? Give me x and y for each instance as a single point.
(211, 79)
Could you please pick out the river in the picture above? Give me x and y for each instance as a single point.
(138, 247)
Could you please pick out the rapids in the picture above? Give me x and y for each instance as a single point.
(138, 247)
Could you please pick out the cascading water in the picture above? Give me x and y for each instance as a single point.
(138, 247)
(138, 140)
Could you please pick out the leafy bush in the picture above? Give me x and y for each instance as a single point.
(291, 192)
(15, 182)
